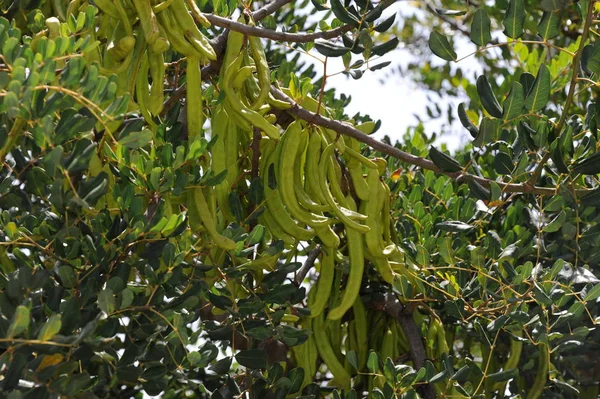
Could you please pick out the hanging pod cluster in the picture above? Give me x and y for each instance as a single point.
(138, 35)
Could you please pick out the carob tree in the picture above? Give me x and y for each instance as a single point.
(187, 211)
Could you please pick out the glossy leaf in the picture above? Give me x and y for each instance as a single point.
(549, 26)
(513, 105)
(466, 122)
(441, 47)
(444, 161)
(488, 98)
(540, 92)
(514, 19)
(481, 28)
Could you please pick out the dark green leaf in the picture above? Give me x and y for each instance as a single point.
(513, 105)
(252, 358)
(444, 161)
(106, 301)
(137, 139)
(330, 49)
(504, 375)
(551, 5)
(342, 14)
(549, 26)
(588, 166)
(488, 99)
(480, 28)
(503, 164)
(514, 19)
(385, 24)
(540, 92)
(479, 191)
(441, 47)
(384, 48)
(466, 122)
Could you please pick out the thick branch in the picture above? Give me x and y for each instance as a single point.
(415, 344)
(274, 35)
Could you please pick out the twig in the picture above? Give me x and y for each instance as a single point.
(271, 34)
(308, 264)
(394, 308)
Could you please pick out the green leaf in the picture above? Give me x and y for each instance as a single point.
(385, 24)
(440, 46)
(252, 358)
(556, 223)
(593, 293)
(384, 48)
(551, 5)
(330, 49)
(256, 235)
(444, 161)
(503, 164)
(353, 357)
(106, 301)
(479, 191)
(514, 19)
(549, 26)
(488, 99)
(588, 166)
(593, 61)
(373, 362)
(466, 122)
(20, 321)
(540, 92)
(480, 28)
(488, 131)
(296, 377)
(67, 276)
(558, 159)
(513, 105)
(50, 327)
(136, 139)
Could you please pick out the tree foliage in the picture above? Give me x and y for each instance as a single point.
(187, 210)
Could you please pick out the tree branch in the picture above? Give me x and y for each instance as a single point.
(350, 131)
(394, 308)
(274, 35)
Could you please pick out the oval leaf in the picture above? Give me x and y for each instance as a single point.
(488, 99)
(514, 19)
(513, 105)
(480, 28)
(540, 92)
(444, 161)
(441, 47)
